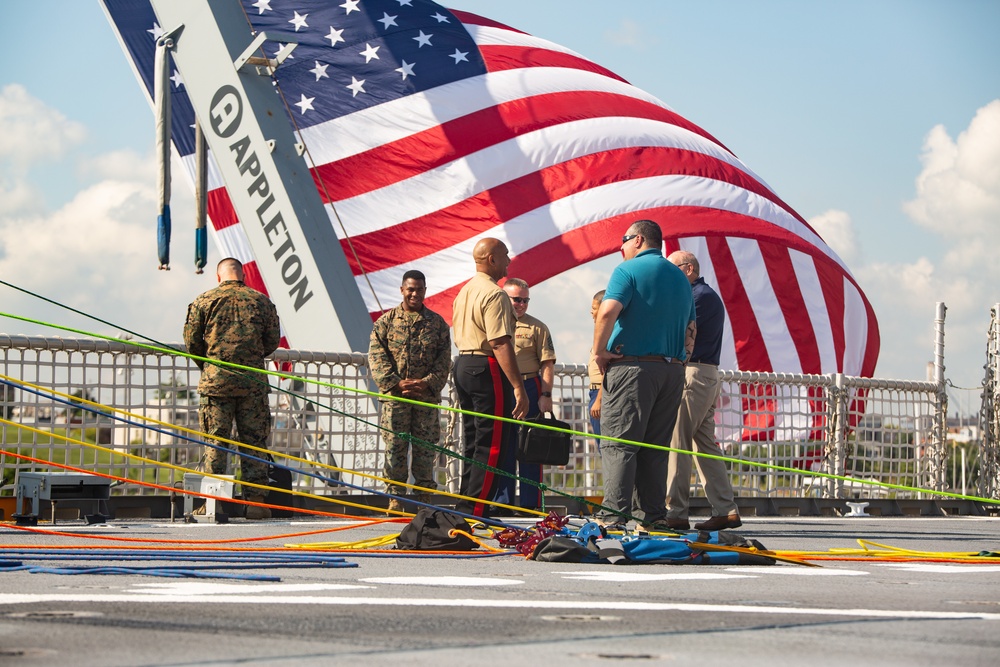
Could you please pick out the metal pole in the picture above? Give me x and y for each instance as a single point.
(939, 454)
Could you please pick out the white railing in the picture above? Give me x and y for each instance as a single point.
(871, 430)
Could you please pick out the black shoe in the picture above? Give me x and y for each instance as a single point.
(720, 522)
(501, 513)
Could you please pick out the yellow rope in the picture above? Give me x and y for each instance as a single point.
(204, 436)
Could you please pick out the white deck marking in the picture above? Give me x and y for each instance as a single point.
(799, 571)
(212, 588)
(955, 568)
(563, 605)
(598, 575)
(443, 581)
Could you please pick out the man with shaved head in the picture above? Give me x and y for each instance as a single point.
(695, 429)
(487, 379)
(236, 324)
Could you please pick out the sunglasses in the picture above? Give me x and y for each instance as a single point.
(520, 299)
(628, 237)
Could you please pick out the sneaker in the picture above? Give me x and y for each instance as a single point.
(732, 520)
(256, 513)
(395, 506)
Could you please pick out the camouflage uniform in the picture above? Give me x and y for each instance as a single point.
(410, 346)
(237, 324)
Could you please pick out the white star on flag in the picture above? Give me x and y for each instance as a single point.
(371, 52)
(387, 20)
(261, 5)
(335, 36)
(155, 31)
(177, 79)
(405, 2)
(459, 56)
(423, 40)
(357, 86)
(351, 6)
(440, 18)
(305, 104)
(299, 21)
(320, 71)
(406, 70)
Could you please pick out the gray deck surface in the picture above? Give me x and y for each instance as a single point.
(434, 611)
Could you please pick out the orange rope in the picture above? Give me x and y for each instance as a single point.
(42, 531)
(175, 490)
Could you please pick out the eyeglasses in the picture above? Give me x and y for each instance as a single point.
(628, 237)
(520, 299)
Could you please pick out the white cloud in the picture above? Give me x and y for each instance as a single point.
(958, 199)
(16, 195)
(630, 34)
(958, 191)
(123, 164)
(32, 131)
(835, 227)
(97, 254)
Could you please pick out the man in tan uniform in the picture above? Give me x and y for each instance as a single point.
(487, 379)
(596, 378)
(536, 359)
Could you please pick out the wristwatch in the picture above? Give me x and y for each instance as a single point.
(546, 394)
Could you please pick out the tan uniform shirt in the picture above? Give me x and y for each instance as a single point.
(596, 376)
(481, 312)
(532, 344)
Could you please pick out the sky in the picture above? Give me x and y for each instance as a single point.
(878, 121)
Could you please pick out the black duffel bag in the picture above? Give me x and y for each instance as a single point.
(542, 446)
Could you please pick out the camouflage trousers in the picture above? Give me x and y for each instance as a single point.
(252, 417)
(424, 425)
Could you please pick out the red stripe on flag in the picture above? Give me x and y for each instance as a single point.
(404, 158)
(220, 209)
(747, 338)
(482, 212)
(781, 273)
(499, 58)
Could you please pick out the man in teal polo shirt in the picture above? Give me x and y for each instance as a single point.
(644, 332)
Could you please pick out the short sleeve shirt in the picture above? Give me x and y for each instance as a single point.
(481, 312)
(532, 344)
(657, 305)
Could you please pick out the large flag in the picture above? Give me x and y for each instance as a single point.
(429, 129)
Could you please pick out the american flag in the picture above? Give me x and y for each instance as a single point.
(430, 129)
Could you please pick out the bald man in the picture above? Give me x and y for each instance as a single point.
(487, 379)
(695, 428)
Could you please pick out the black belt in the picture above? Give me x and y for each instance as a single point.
(646, 357)
(473, 353)
(529, 376)
(595, 385)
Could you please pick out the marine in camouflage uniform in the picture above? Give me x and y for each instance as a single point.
(409, 355)
(239, 325)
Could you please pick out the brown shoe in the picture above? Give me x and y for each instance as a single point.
(255, 513)
(732, 520)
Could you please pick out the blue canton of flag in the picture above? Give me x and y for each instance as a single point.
(354, 55)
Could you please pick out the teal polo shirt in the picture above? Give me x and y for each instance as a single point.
(656, 306)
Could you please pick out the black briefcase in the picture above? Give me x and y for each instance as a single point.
(542, 446)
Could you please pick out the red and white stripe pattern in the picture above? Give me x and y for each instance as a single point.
(556, 156)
